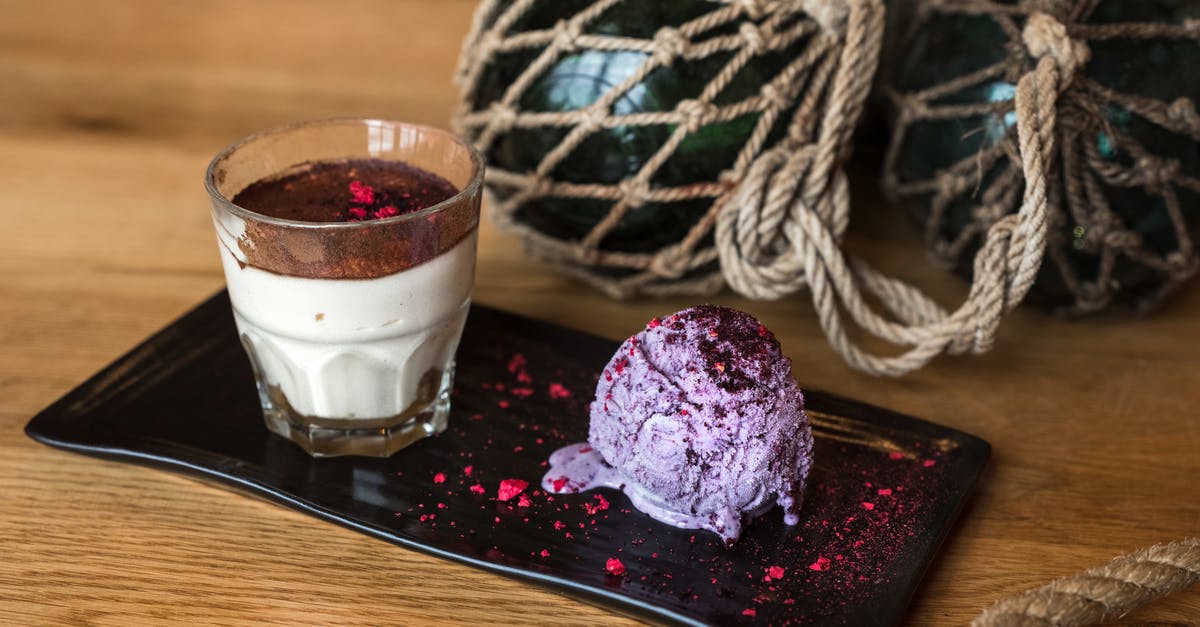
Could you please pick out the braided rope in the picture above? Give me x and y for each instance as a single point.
(1101, 593)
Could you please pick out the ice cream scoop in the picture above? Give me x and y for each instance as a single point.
(698, 419)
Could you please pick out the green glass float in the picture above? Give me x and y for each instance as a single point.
(1104, 204)
(580, 77)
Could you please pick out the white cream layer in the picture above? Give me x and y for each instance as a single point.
(353, 348)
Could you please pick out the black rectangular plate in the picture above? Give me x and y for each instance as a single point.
(885, 490)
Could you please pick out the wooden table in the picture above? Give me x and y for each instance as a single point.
(109, 113)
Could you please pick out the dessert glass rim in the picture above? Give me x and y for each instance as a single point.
(210, 184)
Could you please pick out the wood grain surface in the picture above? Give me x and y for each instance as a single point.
(109, 113)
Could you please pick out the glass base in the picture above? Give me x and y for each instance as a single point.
(371, 437)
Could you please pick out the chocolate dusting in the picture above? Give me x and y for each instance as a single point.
(318, 195)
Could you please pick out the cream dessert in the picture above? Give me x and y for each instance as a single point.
(698, 419)
(350, 286)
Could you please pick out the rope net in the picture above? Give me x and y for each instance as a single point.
(777, 211)
(1095, 253)
(813, 35)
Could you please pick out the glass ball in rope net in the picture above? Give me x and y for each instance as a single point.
(1103, 201)
(608, 156)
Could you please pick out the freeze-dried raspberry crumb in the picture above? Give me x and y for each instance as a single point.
(614, 567)
(439, 478)
(362, 193)
(509, 488)
(557, 391)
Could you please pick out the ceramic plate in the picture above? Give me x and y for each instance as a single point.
(885, 490)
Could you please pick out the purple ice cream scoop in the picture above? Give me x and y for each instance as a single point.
(698, 419)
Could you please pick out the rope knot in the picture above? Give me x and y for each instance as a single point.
(541, 187)
(753, 36)
(1157, 173)
(830, 14)
(1183, 110)
(502, 117)
(694, 113)
(669, 44)
(775, 97)
(1045, 36)
(488, 44)
(635, 192)
(670, 263)
(565, 34)
(593, 118)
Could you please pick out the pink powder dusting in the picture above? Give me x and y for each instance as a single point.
(860, 513)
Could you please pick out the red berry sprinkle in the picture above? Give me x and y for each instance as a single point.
(509, 488)
(751, 612)
(557, 390)
(775, 572)
(614, 567)
(822, 563)
(357, 212)
(439, 478)
(558, 483)
(362, 193)
(387, 212)
(653, 324)
(477, 489)
(545, 553)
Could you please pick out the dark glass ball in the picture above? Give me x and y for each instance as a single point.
(608, 156)
(950, 45)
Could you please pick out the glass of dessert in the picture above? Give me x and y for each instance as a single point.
(349, 254)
